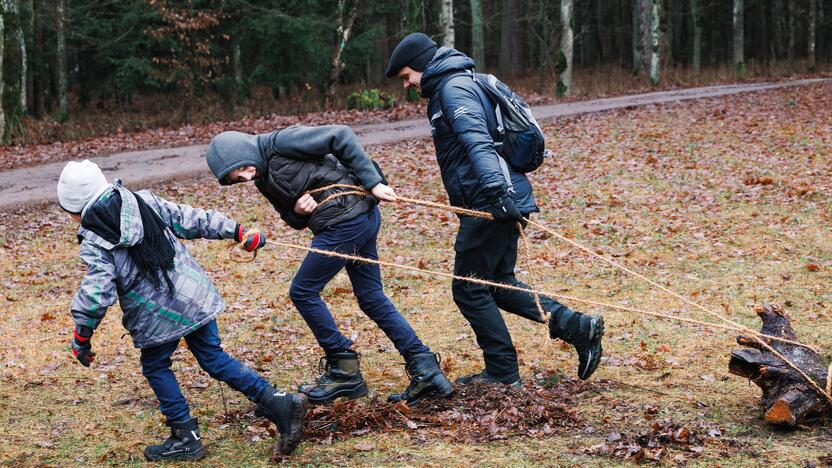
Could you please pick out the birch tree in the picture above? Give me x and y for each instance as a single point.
(739, 35)
(446, 22)
(344, 22)
(697, 36)
(477, 38)
(564, 63)
(655, 36)
(60, 59)
(3, 138)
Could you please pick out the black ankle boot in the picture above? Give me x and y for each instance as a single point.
(584, 332)
(485, 378)
(286, 411)
(426, 380)
(341, 378)
(183, 444)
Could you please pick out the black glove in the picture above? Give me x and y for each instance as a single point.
(253, 242)
(504, 210)
(81, 346)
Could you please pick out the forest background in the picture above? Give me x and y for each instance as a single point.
(74, 69)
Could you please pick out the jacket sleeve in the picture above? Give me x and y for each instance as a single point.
(188, 222)
(305, 142)
(464, 110)
(98, 288)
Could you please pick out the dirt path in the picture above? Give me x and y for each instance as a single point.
(137, 168)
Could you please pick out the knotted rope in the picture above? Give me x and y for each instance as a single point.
(729, 324)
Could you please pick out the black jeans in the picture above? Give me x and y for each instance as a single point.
(488, 250)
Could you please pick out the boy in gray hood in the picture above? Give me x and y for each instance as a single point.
(286, 165)
(129, 242)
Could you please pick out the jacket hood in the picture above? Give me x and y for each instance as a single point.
(131, 230)
(445, 62)
(231, 150)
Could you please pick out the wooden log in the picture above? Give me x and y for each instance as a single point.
(787, 400)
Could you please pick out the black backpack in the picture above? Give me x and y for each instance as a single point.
(520, 140)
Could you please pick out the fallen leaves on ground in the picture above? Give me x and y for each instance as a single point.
(474, 413)
(658, 442)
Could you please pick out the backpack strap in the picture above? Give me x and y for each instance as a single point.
(500, 130)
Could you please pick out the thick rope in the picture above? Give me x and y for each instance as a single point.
(759, 337)
(545, 316)
(482, 214)
(241, 244)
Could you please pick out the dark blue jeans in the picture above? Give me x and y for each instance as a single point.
(204, 344)
(354, 237)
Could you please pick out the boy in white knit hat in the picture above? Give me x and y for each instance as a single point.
(129, 243)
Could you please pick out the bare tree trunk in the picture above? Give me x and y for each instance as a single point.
(3, 138)
(446, 22)
(510, 48)
(812, 25)
(477, 37)
(344, 22)
(28, 35)
(237, 68)
(21, 39)
(697, 36)
(792, 12)
(739, 35)
(38, 107)
(14, 63)
(564, 65)
(635, 6)
(63, 103)
(777, 22)
(646, 22)
(655, 37)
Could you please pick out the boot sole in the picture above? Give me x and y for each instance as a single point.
(444, 391)
(190, 456)
(286, 445)
(349, 393)
(596, 332)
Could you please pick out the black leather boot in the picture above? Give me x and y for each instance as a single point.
(341, 378)
(584, 332)
(286, 411)
(183, 444)
(426, 380)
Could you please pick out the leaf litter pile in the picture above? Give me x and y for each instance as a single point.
(474, 413)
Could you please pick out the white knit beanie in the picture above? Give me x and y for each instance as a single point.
(78, 184)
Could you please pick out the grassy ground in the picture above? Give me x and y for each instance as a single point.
(726, 201)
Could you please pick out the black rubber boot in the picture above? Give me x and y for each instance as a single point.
(182, 445)
(584, 332)
(286, 411)
(426, 380)
(341, 378)
(486, 378)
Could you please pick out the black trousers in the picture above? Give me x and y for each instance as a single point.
(488, 250)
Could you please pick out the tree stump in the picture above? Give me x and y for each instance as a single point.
(787, 399)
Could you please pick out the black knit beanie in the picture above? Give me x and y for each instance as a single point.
(414, 51)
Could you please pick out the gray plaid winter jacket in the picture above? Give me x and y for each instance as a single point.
(149, 314)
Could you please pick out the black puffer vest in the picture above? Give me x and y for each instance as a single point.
(287, 179)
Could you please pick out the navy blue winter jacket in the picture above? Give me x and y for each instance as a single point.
(463, 122)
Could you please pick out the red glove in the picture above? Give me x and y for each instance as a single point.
(81, 346)
(253, 242)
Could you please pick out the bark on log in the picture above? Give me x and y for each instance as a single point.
(787, 398)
